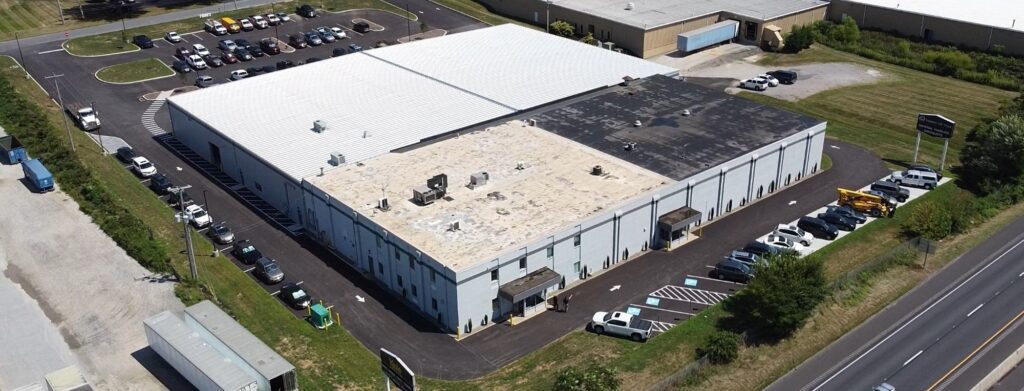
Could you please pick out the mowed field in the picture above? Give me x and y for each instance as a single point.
(882, 116)
(25, 15)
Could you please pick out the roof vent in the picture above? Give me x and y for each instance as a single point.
(478, 179)
(532, 122)
(383, 204)
(629, 146)
(366, 134)
(520, 165)
(454, 226)
(630, 6)
(597, 170)
(637, 124)
(686, 112)
(319, 126)
(337, 159)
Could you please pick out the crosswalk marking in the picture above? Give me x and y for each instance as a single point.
(660, 327)
(691, 295)
(149, 118)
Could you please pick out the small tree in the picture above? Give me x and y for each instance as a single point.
(950, 62)
(800, 38)
(845, 33)
(721, 347)
(562, 28)
(994, 154)
(929, 220)
(593, 377)
(589, 39)
(780, 298)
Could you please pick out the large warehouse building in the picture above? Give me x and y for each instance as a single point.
(475, 174)
(996, 25)
(648, 28)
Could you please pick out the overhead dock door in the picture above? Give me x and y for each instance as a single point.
(707, 36)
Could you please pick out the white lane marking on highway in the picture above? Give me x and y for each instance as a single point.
(913, 357)
(248, 270)
(886, 339)
(975, 310)
(660, 309)
(51, 51)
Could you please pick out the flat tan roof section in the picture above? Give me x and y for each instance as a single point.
(554, 190)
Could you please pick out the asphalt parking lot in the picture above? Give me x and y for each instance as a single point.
(680, 300)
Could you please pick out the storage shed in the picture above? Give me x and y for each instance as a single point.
(11, 150)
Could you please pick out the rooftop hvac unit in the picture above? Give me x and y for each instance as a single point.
(454, 226)
(436, 188)
(629, 146)
(319, 126)
(532, 122)
(630, 6)
(383, 204)
(478, 179)
(337, 159)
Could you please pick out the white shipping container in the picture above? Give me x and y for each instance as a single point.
(193, 357)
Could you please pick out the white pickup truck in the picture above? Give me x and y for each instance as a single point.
(85, 117)
(622, 324)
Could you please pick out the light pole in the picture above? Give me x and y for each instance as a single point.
(206, 203)
(99, 131)
(60, 101)
(20, 53)
(408, 26)
(188, 232)
(547, 16)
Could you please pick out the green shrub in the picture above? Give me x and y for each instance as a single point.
(928, 220)
(562, 28)
(780, 298)
(721, 347)
(800, 38)
(949, 62)
(993, 156)
(593, 377)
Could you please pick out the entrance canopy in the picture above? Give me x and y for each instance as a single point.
(678, 219)
(529, 284)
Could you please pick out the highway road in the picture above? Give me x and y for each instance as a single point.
(947, 333)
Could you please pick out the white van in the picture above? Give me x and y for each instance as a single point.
(925, 179)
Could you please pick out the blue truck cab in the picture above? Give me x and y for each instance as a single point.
(11, 150)
(37, 175)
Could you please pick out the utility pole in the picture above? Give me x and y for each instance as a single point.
(21, 54)
(99, 131)
(124, 38)
(408, 27)
(60, 101)
(188, 231)
(80, 9)
(61, 9)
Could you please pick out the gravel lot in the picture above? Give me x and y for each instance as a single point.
(79, 293)
(737, 62)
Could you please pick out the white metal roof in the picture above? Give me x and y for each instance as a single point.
(1007, 14)
(253, 351)
(648, 14)
(384, 99)
(220, 369)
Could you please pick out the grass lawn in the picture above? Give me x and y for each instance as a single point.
(37, 17)
(882, 116)
(111, 43)
(139, 70)
(481, 12)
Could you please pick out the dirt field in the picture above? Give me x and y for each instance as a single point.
(84, 293)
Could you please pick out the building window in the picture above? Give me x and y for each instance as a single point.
(380, 266)
(551, 252)
(414, 292)
(522, 263)
(494, 275)
(433, 304)
(576, 267)
(576, 240)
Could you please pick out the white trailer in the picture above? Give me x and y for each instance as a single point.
(195, 359)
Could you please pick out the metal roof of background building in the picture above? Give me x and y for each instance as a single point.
(379, 100)
(649, 14)
(253, 351)
(1006, 14)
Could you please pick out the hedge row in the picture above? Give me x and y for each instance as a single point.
(28, 121)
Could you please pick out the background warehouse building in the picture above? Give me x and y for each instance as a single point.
(648, 28)
(996, 25)
(469, 215)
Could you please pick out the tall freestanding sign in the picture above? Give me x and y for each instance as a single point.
(395, 371)
(936, 126)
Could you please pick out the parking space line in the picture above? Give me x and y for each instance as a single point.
(299, 283)
(712, 279)
(225, 249)
(202, 230)
(274, 293)
(661, 309)
(51, 51)
(249, 269)
(698, 296)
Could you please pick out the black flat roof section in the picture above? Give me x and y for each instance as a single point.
(719, 127)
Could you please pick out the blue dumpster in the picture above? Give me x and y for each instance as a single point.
(11, 150)
(37, 175)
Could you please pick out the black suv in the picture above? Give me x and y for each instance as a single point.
(305, 11)
(269, 46)
(733, 270)
(361, 27)
(142, 41)
(847, 212)
(839, 221)
(297, 41)
(285, 64)
(892, 189)
(760, 249)
(818, 227)
(125, 154)
(160, 184)
(246, 252)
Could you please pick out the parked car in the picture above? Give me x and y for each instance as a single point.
(794, 234)
(243, 54)
(181, 66)
(238, 74)
(229, 58)
(754, 84)
(198, 216)
(204, 81)
(621, 324)
(196, 62)
(354, 48)
(179, 197)
(312, 60)
(305, 11)
(750, 259)
(125, 154)
(285, 64)
(732, 270)
(295, 296)
(847, 212)
(231, 25)
(361, 27)
(297, 41)
(283, 17)
(160, 184)
(269, 45)
(246, 252)
(200, 49)
(338, 52)
(268, 68)
(925, 179)
(772, 81)
(214, 27)
(213, 61)
(273, 20)
(884, 387)
(242, 43)
(143, 167)
(142, 41)
(254, 50)
(818, 227)
(227, 45)
(254, 71)
(782, 243)
(221, 234)
(892, 189)
(268, 271)
(338, 32)
(246, 25)
(925, 167)
(760, 249)
(313, 39)
(182, 52)
(890, 201)
(325, 34)
(172, 37)
(784, 76)
(839, 221)
(259, 21)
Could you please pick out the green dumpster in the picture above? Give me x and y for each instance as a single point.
(320, 316)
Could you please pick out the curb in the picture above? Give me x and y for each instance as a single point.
(97, 75)
(463, 13)
(64, 45)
